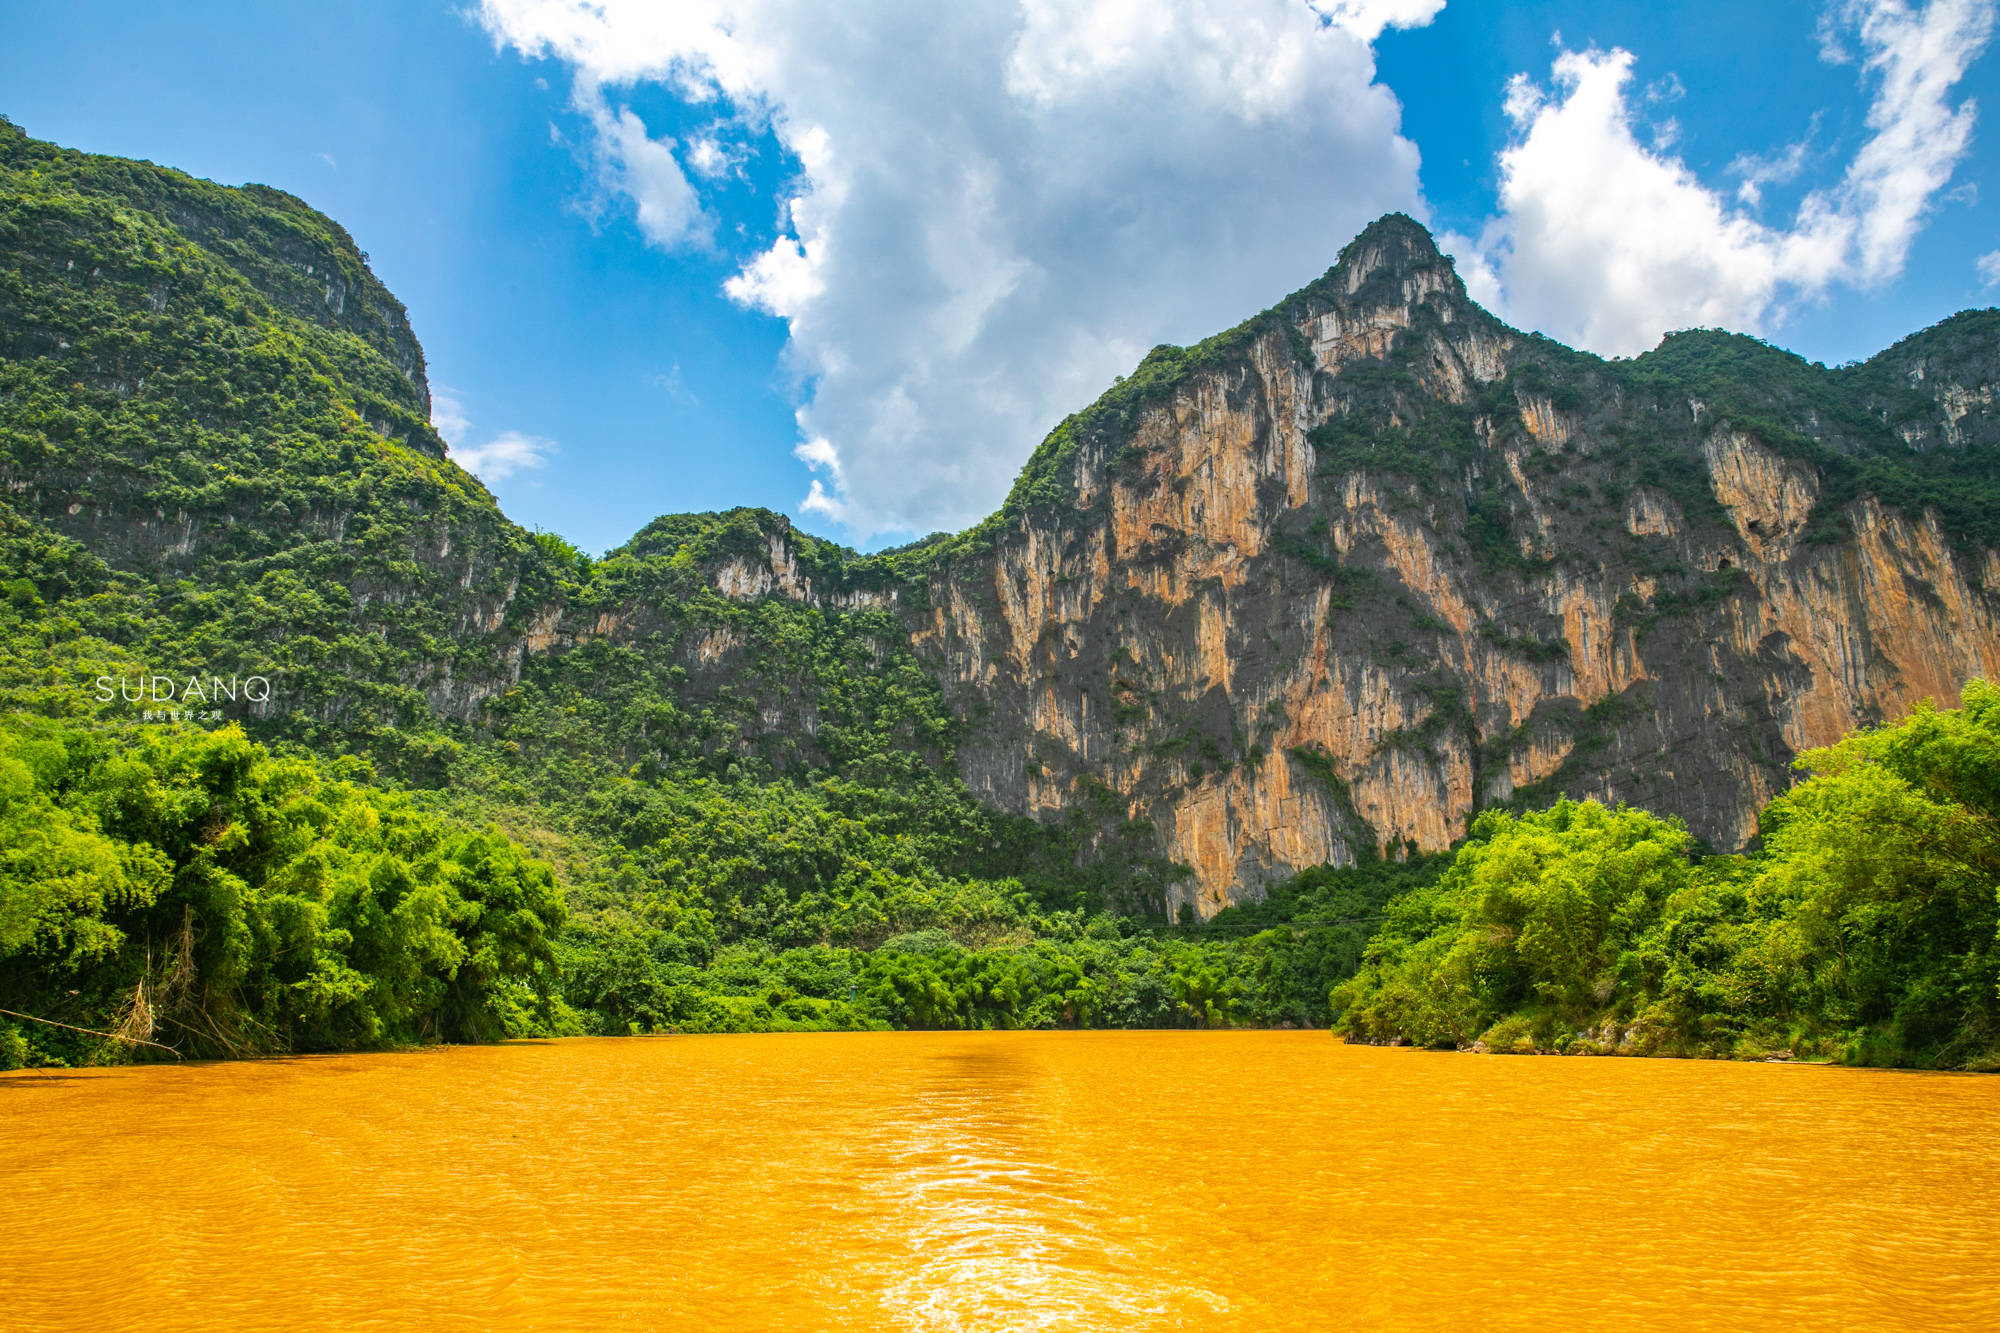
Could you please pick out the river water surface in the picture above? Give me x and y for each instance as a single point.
(987, 1181)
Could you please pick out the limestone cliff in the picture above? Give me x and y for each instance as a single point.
(1332, 580)
(1373, 561)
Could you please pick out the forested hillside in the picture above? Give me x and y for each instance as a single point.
(732, 777)
(217, 461)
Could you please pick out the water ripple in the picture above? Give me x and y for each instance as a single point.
(996, 1181)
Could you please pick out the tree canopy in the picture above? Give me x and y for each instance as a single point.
(1863, 927)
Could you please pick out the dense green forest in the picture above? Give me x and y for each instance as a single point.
(1863, 928)
(470, 810)
(192, 889)
(202, 895)
(172, 369)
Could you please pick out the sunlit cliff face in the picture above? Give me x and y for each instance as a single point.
(1392, 561)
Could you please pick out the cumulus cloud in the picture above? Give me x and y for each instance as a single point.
(999, 206)
(1607, 242)
(1367, 18)
(498, 458)
(1989, 268)
(820, 455)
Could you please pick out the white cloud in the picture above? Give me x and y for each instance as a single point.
(1779, 168)
(1989, 268)
(1603, 241)
(1000, 206)
(643, 169)
(448, 416)
(1367, 18)
(820, 455)
(494, 461)
(502, 456)
(784, 280)
(710, 158)
(1919, 136)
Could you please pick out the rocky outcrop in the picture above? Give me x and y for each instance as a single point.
(1380, 561)
(1321, 587)
(775, 571)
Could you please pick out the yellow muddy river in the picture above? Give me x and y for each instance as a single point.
(985, 1181)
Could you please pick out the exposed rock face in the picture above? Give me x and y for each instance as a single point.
(1384, 561)
(775, 572)
(1332, 581)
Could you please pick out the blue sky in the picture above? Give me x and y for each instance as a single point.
(589, 209)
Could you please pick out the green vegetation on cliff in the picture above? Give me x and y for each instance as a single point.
(216, 458)
(1863, 928)
(1866, 429)
(502, 788)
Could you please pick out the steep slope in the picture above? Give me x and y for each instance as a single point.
(1325, 584)
(207, 391)
(1376, 560)
(216, 462)
(1311, 591)
(1372, 561)
(216, 456)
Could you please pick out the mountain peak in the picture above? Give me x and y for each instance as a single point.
(1377, 266)
(1395, 241)
(1398, 228)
